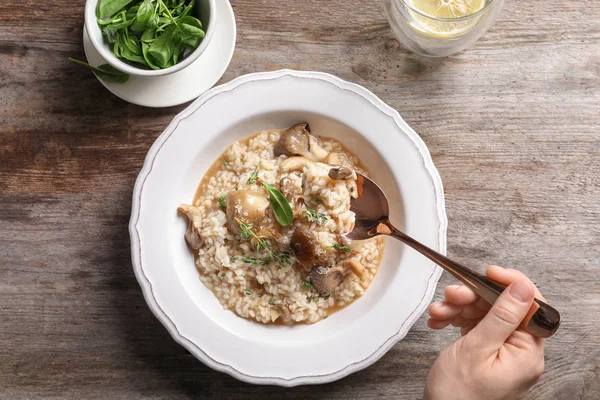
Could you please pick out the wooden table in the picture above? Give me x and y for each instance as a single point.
(513, 125)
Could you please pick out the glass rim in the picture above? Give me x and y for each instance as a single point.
(463, 18)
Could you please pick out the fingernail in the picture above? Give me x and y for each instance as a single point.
(520, 290)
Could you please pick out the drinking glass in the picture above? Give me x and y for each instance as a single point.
(438, 37)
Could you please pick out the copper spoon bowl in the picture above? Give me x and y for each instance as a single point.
(372, 219)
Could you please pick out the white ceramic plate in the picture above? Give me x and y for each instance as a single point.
(182, 86)
(350, 339)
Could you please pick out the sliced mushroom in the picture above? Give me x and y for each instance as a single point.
(344, 240)
(325, 280)
(297, 141)
(287, 188)
(341, 173)
(317, 153)
(295, 164)
(247, 206)
(283, 311)
(304, 243)
(332, 159)
(356, 268)
(352, 187)
(192, 234)
(344, 160)
(294, 141)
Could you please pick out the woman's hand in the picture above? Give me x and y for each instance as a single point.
(493, 360)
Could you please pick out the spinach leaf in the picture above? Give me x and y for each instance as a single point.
(186, 10)
(131, 49)
(132, 11)
(132, 44)
(281, 207)
(121, 22)
(104, 71)
(145, 12)
(177, 54)
(108, 8)
(190, 42)
(147, 38)
(163, 47)
(112, 35)
(191, 26)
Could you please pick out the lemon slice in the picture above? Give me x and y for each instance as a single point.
(447, 9)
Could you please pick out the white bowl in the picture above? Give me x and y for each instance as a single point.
(207, 11)
(348, 340)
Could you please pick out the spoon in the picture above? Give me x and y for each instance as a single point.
(372, 219)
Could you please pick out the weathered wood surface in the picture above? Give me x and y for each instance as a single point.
(513, 125)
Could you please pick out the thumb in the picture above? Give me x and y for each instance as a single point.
(504, 317)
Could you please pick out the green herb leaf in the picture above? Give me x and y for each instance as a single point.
(104, 71)
(271, 302)
(252, 179)
(314, 216)
(248, 292)
(281, 207)
(306, 285)
(222, 199)
(233, 259)
(284, 260)
(222, 274)
(250, 260)
(108, 8)
(342, 248)
(325, 317)
(246, 230)
(326, 297)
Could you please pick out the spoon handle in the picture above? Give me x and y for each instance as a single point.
(542, 319)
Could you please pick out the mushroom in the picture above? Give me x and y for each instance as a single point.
(304, 243)
(297, 141)
(344, 240)
(356, 268)
(295, 164)
(341, 173)
(192, 234)
(283, 311)
(352, 187)
(324, 279)
(287, 188)
(247, 206)
(332, 159)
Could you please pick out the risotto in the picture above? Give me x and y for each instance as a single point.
(267, 228)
